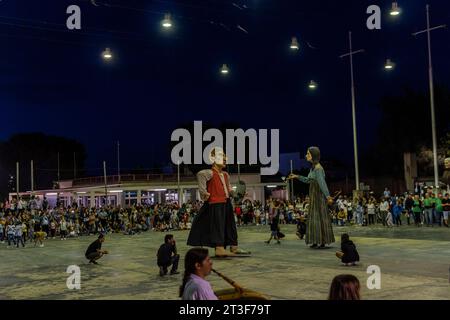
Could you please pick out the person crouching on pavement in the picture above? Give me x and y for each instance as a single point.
(94, 251)
(348, 254)
(167, 256)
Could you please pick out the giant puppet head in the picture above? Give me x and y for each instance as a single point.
(218, 157)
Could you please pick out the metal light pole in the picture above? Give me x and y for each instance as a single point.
(355, 138)
(74, 166)
(32, 176)
(58, 170)
(118, 159)
(17, 181)
(106, 183)
(292, 183)
(430, 76)
(178, 184)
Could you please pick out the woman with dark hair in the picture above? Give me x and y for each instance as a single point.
(345, 287)
(320, 231)
(197, 265)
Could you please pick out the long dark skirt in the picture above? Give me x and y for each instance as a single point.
(214, 226)
(320, 230)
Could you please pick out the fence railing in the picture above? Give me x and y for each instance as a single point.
(132, 178)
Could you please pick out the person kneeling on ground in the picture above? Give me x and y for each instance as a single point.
(94, 251)
(167, 256)
(348, 254)
(197, 265)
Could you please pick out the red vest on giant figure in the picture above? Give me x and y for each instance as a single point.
(216, 188)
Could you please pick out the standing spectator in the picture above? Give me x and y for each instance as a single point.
(345, 287)
(11, 233)
(386, 193)
(63, 229)
(53, 229)
(428, 205)
(359, 213)
(44, 204)
(2, 230)
(45, 224)
(19, 234)
(446, 208)
(274, 226)
(384, 209)
(349, 205)
(417, 210)
(409, 203)
(371, 211)
(397, 213)
(438, 210)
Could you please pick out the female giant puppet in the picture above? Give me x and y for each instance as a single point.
(214, 226)
(319, 230)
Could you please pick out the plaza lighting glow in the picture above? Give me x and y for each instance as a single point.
(389, 65)
(395, 11)
(167, 21)
(312, 84)
(224, 69)
(294, 44)
(115, 191)
(107, 54)
(271, 187)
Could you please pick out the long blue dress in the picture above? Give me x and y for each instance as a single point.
(319, 228)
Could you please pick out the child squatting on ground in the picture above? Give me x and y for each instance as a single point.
(348, 254)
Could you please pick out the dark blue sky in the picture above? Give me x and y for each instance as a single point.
(53, 80)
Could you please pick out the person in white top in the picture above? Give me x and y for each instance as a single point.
(384, 209)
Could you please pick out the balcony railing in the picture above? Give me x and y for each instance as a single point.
(126, 178)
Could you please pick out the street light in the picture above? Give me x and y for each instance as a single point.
(224, 69)
(395, 10)
(389, 65)
(167, 21)
(312, 85)
(350, 54)
(107, 54)
(294, 44)
(431, 84)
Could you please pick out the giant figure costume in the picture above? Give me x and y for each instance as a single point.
(215, 226)
(319, 228)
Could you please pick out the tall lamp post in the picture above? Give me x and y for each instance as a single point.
(430, 76)
(355, 139)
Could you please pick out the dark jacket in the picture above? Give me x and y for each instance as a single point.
(165, 254)
(350, 252)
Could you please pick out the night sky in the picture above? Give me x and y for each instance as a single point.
(53, 80)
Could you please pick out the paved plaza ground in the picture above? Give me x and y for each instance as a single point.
(414, 262)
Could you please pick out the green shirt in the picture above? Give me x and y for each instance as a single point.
(439, 207)
(416, 206)
(427, 202)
